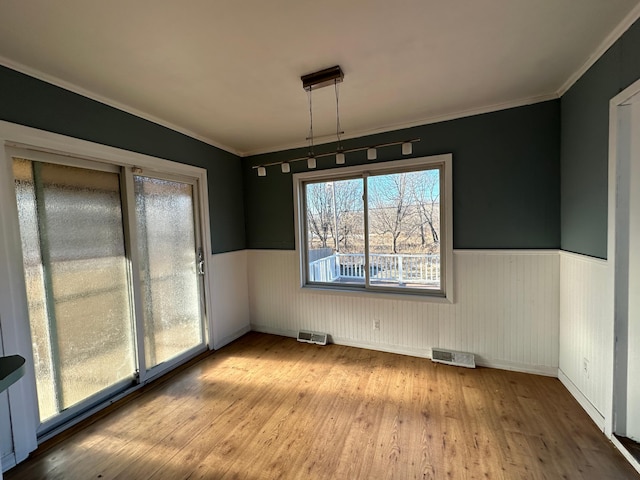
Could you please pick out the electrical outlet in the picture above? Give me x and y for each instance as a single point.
(376, 324)
(585, 367)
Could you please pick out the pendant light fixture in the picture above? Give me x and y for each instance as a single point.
(323, 78)
(311, 159)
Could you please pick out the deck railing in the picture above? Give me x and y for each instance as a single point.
(392, 268)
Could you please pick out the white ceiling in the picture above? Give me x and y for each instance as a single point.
(228, 72)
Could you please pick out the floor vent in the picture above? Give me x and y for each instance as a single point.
(450, 357)
(312, 337)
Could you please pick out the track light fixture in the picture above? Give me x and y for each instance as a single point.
(323, 78)
(312, 161)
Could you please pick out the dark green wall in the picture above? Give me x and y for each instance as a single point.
(585, 144)
(506, 185)
(31, 102)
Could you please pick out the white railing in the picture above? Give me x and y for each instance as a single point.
(391, 268)
(324, 269)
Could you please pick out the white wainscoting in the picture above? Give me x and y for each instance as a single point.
(586, 332)
(505, 311)
(230, 302)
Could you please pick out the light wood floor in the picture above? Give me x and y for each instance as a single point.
(269, 407)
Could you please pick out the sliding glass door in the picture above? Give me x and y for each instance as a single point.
(113, 273)
(170, 270)
(77, 281)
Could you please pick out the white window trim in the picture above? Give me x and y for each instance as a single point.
(14, 334)
(446, 228)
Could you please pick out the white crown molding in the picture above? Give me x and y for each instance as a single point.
(45, 77)
(609, 40)
(324, 139)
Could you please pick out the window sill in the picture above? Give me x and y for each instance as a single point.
(413, 296)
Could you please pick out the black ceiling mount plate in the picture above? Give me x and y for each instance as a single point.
(322, 78)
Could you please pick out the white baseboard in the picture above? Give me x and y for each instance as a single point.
(380, 347)
(274, 331)
(518, 367)
(230, 338)
(625, 453)
(584, 402)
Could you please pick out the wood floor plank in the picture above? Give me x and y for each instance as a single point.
(268, 407)
(261, 398)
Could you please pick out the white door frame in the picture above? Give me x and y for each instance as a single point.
(14, 323)
(620, 154)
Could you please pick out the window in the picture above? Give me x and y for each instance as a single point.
(383, 228)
